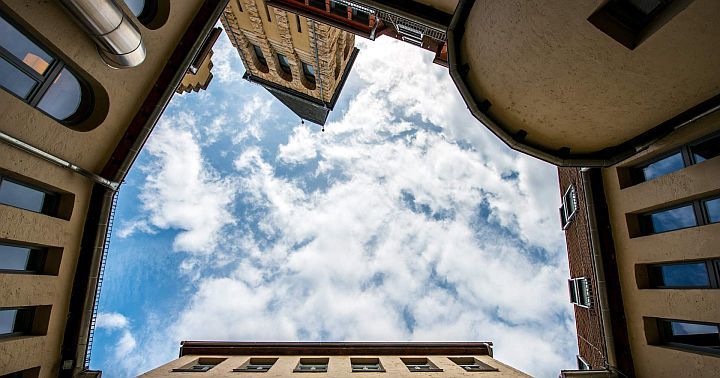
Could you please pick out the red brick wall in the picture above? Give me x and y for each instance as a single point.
(591, 343)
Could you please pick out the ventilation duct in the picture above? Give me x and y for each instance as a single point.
(118, 39)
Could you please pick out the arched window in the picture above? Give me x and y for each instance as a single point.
(151, 13)
(40, 79)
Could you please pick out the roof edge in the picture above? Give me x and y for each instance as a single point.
(561, 157)
(334, 348)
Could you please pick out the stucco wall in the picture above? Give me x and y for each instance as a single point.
(338, 367)
(697, 181)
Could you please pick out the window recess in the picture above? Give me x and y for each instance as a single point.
(200, 365)
(257, 365)
(312, 365)
(692, 153)
(419, 365)
(26, 259)
(690, 214)
(471, 364)
(22, 321)
(363, 365)
(687, 335)
(699, 274)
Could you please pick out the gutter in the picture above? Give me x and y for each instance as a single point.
(599, 271)
(74, 354)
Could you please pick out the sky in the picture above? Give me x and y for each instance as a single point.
(406, 220)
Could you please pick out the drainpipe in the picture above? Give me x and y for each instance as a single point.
(32, 150)
(118, 39)
(599, 271)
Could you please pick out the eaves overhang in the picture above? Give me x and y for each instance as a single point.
(233, 348)
(478, 104)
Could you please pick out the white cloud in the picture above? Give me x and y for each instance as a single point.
(416, 224)
(111, 321)
(182, 191)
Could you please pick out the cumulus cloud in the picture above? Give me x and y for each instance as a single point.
(182, 191)
(111, 321)
(406, 220)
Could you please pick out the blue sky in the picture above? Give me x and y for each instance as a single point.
(405, 220)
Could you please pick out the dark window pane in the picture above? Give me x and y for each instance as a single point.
(22, 48)
(673, 219)
(136, 6)
(713, 210)
(662, 167)
(685, 275)
(14, 257)
(63, 97)
(21, 196)
(13, 80)
(259, 54)
(7, 321)
(706, 150)
(284, 63)
(683, 328)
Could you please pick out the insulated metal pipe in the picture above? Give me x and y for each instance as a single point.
(17, 143)
(118, 39)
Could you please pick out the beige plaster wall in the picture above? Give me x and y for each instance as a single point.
(694, 182)
(338, 367)
(549, 71)
(126, 89)
(447, 6)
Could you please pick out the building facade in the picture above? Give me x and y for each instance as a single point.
(304, 64)
(588, 82)
(83, 83)
(643, 240)
(199, 75)
(227, 359)
(421, 23)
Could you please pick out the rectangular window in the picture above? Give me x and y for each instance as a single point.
(338, 8)
(312, 365)
(696, 213)
(284, 62)
(17, 321)
(309, 72)
(671, 219)
(361, 365)
(692, 153)
(684, 275)
(420, 365)
(257, 365)
(712, 209)
(471, 364)
(631, 21)
(299, 25)
(267, 12)
(200, 365)
(28, 197)
(580, 291)
(259, 54)
(688, 335)
(16, 258)
(569, 206)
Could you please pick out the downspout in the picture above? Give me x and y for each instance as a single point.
(118, 39)
(32, 150)
(599, 271)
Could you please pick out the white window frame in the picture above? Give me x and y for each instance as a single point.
(582, 364)
(569, 198)
(575, 292)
